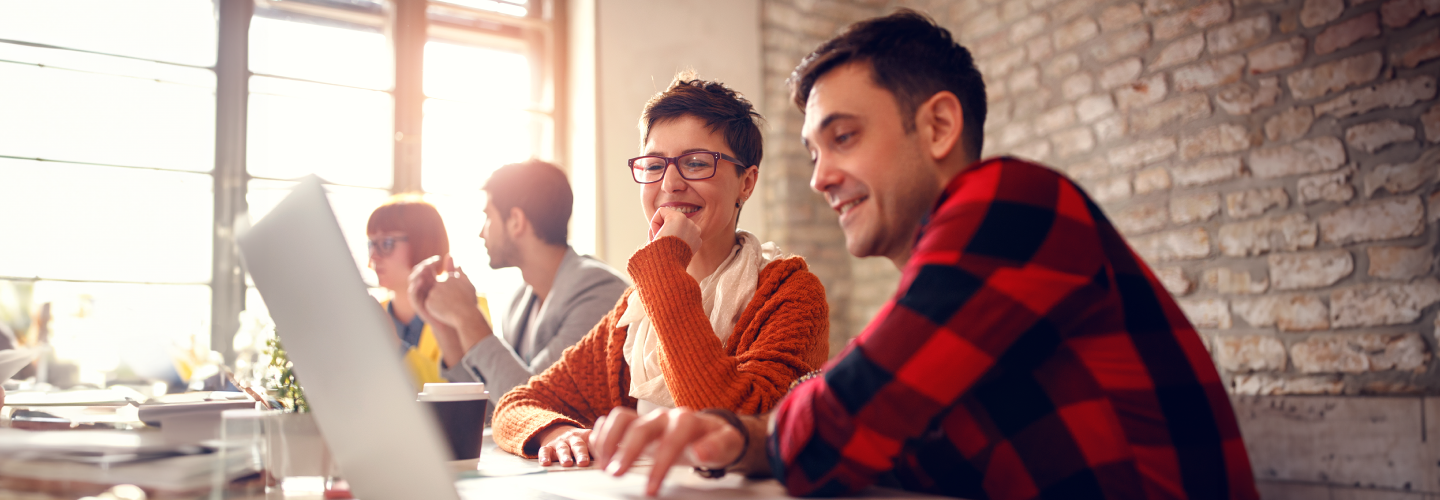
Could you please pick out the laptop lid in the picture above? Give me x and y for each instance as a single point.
(336, 335)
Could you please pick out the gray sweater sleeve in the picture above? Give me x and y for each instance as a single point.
(496, 364)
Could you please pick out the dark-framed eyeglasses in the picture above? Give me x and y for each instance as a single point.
(696, 166)
(383, 247)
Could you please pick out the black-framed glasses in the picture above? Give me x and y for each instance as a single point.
(385, 246)
(696, 166)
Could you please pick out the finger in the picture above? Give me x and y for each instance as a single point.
(449, 263)
(681, 429)
(545, 455)
(616, 423)
(562, 452)
(638, 436)
(580, 450)
(657, 222)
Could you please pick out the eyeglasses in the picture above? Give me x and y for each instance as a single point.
(383, 247)
(696, 166)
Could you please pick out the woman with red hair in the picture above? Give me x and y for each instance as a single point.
(403, 232)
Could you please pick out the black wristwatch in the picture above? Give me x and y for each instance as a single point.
(734, 421)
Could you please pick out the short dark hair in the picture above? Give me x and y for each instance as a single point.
(722, 108)
(910, 56)
(541, 191)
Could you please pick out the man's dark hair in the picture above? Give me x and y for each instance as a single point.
(721, 108)
(911, 57)
(541, 191)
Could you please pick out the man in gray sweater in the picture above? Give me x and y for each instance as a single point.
(564, 296)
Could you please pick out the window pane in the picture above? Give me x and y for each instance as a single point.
(142, 328)
(464, 143)
(104, 223)
(514, 8)
(343, 135)
(356, 57)
(74, 116)
(182, 31)
(475, 74)
(352, 207)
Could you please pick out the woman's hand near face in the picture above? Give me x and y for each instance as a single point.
(671, 222)
(565, 445)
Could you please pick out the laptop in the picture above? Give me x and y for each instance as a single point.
(387, 444)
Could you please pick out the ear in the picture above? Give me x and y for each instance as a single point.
(940, 121)
(747, 181)
(516, 223)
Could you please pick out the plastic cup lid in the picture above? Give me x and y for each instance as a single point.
(453, 392)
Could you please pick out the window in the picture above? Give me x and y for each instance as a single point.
(108, 151)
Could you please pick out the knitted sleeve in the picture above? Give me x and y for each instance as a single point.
(576, 390)
(782, 334)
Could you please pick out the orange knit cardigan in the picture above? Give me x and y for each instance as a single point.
(782, 335)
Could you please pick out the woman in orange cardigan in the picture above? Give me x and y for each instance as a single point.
(715, 319)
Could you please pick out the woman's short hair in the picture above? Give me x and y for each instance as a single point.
(418, 219)
(541, 191)
(720, 107)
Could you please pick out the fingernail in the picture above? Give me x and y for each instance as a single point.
(613, 469)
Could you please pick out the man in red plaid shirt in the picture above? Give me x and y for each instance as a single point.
(1028, 353)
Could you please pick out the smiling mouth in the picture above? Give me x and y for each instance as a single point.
(688, 210)
(845, 209)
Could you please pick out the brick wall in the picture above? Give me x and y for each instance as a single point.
(1273, 160)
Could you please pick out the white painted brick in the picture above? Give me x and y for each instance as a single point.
(1224, 138)
(1376, 220)
(1284, 233)
(1110, 129)
(1267, 384)
(1142, 93)
(1029, 27)
(1120, 16)
(1304, 157)
(1277, 55)
(1318, 12)
(1185, 108)
(1328, 354)
(1194, 208)
(1123, 72)
(1075, 33)
(1174, 280)
(1334, 186)
(1055, 119)
(1392, 94)
(1141, 218)
(1293, 271)
(1399, 13)
(1249, 353)
(1403, 177)
(1374, 304)
(1074, 141)
(1418, 49)
(1317, 81)
(1210, 73)
(1091, 169)
(1040, 49)
(1252, 202)
(1290, 124)
(1289, 313)
(1151, 180)
(1139, 153)
(1201, 17)
(1062, 65)
(1094, 107)
(1209, 171)
(1112, 190)
(1346, 33)
(1242, 98)
(1025, 79)
(1206, 313)
(1037, 151)
(1123, 43)
(1373, 136)
(1076, 85)
(1238, 35)
(1230, 281)
(1431, 121)
(1181, 51)
(1182, 244)
(1399, 263)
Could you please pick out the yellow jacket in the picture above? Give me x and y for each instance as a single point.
(423, 360)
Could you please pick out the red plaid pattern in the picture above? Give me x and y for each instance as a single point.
(1028, 353)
